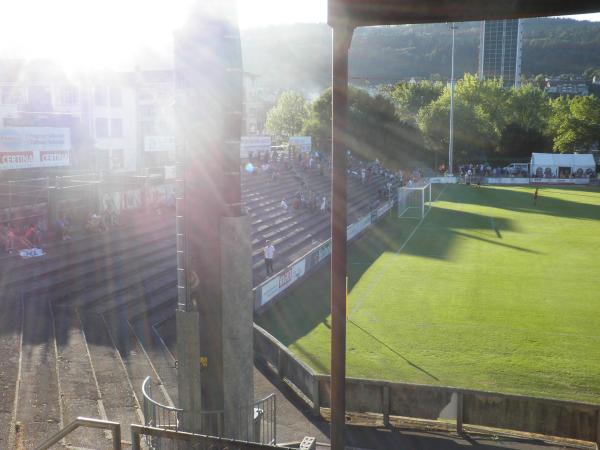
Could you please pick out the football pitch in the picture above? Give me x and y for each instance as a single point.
(490, 291)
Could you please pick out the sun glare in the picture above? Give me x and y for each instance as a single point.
(112, 33)
(115, 33)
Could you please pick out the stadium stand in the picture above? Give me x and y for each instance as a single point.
(92, 318)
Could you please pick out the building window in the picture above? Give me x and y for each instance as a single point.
(116, 128)
(100, 98)
(101, 127)
(40, 98)
(117, 161)
(115, 96)
(13, 95)
(148, 128)
(69, 96)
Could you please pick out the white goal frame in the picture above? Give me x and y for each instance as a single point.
(414, 201)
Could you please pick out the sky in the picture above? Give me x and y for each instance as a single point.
(110, 33)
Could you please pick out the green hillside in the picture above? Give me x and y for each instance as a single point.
(298, 56)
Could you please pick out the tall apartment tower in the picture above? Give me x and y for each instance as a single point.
(500, 50)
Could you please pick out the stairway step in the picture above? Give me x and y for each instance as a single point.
(79, 395)
(38, 406)
(11, 313)
(118, 398)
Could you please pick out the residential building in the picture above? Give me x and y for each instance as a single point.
(500, 50)
(566, 85)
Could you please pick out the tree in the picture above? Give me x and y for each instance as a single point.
(474, 134)
(288, 115)
(528, 107)
(374, 130)
(409, 98)
(518, 142)
(479, 117)
(575, 123)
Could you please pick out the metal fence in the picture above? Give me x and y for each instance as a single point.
(256, 423)
(180, 440)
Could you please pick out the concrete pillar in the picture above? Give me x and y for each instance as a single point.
(459, 412)
(188, 369)
(316, 409)
(237, 326)
(386, 405)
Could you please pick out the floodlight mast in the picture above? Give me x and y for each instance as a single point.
(451, 139)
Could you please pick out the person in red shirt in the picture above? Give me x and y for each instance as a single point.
(32, 234)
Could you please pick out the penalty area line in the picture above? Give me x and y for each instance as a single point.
(385, 270)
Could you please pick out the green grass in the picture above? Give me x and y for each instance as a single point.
(491, 292)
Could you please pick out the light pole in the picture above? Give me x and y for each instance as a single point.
(451, 140)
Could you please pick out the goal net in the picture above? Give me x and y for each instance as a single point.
(414, 201)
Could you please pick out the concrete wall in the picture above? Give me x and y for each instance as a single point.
(502, 411)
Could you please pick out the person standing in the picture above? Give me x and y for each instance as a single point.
(269, 251)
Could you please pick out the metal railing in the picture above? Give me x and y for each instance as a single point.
(114, 427)
(255, 423)
(193, 441)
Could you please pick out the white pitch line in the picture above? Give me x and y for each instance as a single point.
(383, 271)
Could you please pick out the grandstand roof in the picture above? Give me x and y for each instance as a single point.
(357, 13)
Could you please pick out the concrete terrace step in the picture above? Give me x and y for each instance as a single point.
(37, 406)
(79, 395)
(11, 313)
(140, 295)
(103, 270)
(117, 394)
(74, 254)
(135, 360)
(148, 302)
(162, 360)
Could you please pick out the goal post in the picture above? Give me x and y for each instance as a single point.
(414, 201)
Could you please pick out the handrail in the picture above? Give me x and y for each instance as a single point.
(137, 431)
(151, 400)
(115, 428)
(174, 408)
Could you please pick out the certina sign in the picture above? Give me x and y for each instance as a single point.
(26, 147)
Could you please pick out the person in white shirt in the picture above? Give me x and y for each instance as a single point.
(284, 205)
(324, 205)
(269, 251)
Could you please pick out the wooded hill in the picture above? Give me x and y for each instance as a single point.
(298, 57)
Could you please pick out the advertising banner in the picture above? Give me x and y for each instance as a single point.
(303, 143)
(383, 209)
(27, 147)
(254, 144)
(274, 286)
(357, 227)
(443, 180)
(550, 181)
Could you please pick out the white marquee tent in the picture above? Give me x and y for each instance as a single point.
(551, 165)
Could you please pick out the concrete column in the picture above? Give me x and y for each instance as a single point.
(386, 405)
(342, 37)
(459, 412)
(188, 369)
(316, 409)
(237, 327)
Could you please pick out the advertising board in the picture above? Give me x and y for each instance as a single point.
(303, 143)
(27, 147)
(279, 283)
(254, 144)
(357, 227)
